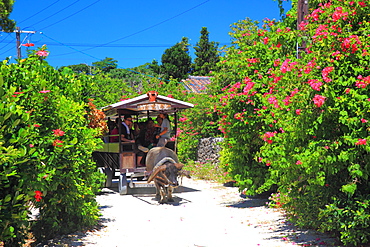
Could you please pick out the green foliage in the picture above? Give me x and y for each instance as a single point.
(207, 55)
(6, 7)
(301, 124)
(45, 151)
(176, 61)
(352, 217)
(106, 65)
(199, 122)
(80, 68)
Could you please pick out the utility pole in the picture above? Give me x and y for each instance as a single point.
(18, 32)
(18, 38)
(302, 11)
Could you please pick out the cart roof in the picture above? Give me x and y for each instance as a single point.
(138, 105)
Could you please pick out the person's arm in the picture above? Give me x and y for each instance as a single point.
(125, 139)
(165, 129)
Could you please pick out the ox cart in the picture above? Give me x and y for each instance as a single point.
(121, 159)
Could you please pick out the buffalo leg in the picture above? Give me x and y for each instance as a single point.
(169, 194)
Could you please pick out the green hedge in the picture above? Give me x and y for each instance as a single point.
(302, 124)
(45, 151)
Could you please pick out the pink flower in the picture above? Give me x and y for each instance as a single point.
(182, 119)
(361, 142)
(319, 100)
(249, 85)
(363, 120)
(42, 53)
(265, 40)
(298, 111)
(36, 125)
(315, 84)
(362, 4)
(298, 162)
(32, 145)
(44, 91)
(58, 132)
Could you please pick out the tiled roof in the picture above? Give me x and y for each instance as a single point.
(197, 84)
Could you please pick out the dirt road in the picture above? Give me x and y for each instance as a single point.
(203, 214)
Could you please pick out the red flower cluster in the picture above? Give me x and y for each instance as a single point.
(58, 132)
(57, 143)
(28, 44)
(315, 84)
(362, 82)
(319, 100)
(268, 135)
(361, 142)
(38, 195)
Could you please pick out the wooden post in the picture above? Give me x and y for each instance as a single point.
(302, 11)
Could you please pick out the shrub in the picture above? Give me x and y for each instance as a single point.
(302, 123)
(45, 151)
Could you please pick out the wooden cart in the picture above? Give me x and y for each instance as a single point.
(119, 157)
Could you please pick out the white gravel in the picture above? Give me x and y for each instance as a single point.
(203, 214)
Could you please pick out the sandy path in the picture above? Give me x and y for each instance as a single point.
(204, 214)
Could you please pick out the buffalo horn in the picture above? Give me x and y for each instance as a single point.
(155, 173)
(179, 165)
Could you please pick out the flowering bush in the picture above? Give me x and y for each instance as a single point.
(45, 152)
(300, 123)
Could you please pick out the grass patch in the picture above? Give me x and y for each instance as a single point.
(207, 171)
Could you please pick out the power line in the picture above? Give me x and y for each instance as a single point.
(70, 15)
(133, 71)
(38, 12)
(6, 50)
(3, 40)
(54, 13)
(143, 30)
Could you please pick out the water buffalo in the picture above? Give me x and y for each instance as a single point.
(165, 168)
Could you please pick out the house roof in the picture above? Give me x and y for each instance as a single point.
(132, 106)
(197, 84)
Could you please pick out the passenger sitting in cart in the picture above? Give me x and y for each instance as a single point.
(146, 138)
(125, 130)
(127, 135)
(164, 135)
(114, 131)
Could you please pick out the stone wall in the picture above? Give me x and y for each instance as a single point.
(209, 150)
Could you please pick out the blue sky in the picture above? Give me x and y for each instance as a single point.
(132, 32)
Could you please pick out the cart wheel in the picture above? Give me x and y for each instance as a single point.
(109, 172)
(122, 184)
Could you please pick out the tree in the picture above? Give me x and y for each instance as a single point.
(176, 61)
(207, 55)
(79, 68)
(155, 67)
(6, 7)
(106, 64)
